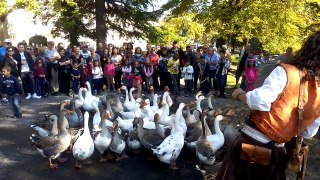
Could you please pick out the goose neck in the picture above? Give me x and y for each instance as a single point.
(217, 127)
(210, 102)
(199, 105)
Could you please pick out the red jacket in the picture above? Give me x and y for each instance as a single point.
(88, 70)
(154, 58)
(39, 71)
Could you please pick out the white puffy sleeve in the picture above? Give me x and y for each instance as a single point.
(262, 97)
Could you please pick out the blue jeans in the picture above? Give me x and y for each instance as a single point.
(222, 83)
(188, 86)
(27, 82)
(14, 103)
(75, 85)
(40, 86)
(175, 79)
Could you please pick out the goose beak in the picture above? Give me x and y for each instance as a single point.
(230, 112)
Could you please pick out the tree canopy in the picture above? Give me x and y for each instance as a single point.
(75, 18)
(277, 24)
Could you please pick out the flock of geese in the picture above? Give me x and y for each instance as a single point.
(135, 123)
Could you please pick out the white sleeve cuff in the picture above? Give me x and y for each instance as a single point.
(262, 97)
(312, 129)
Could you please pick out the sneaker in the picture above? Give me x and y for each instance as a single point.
(28, 96)
(34, 96)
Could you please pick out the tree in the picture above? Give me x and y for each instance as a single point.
(182, 29)
(75, 18)
(277, 24)
(6, 7)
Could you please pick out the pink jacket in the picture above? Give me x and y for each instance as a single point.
(251, 74)
(148, 72)
(109, 69)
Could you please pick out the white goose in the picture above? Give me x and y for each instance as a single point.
(129, 105)
(217, 139)
(103, 139)
(169, 150)
(80, 100)
(155, 105)
(117, 144)
(84, 146)
(131, 114)
(165, 119)
(90, 102)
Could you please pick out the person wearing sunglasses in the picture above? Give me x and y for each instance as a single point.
(10, 61)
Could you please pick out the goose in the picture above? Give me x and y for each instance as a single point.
(117, 107)
(169, 150)
(51, 147)
(195, 130)
(133, 140)
(43, 132)
(155, 105)
(129, 105)
(75, 118)
(132, 100)
(210, 102)
(90, 102)
(165, 119)
(126, 124)
(84, 146)
(80, 100)
(217, 139)
(139, 90)
(131, 114)
(204, 149)
(148, 139)
(199, 103)
(118, 144)
(160, 130)
(103, 139)
(112, 115)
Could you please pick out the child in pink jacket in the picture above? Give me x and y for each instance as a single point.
(108, 73)
(251, 75)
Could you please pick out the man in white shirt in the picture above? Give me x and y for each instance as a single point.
(52, 57)
(25, 69)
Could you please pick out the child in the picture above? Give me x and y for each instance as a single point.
(88, 71)
(188, 76)
(204, 75)
(40, 73)
(148, 71)
(109, 72)
(97, 81)
(75, 77)
(136, 72)
(126, 71)
(10, 88)
(222, 72)
(173, 65)
(251, 74)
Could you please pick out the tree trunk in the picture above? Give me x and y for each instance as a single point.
(4, 28)
(101, 27)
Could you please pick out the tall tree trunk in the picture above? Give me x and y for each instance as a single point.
(101, 27)
(4, 27)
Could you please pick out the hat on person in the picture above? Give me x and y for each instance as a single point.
(7, 41)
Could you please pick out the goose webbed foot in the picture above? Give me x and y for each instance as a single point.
(109, 156)
(120, 158)
(102, 159)
(173, 166)
(63, 160)
(52, 166)
(77, 165)
(87, 162)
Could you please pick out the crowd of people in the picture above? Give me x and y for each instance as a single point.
(55, 70)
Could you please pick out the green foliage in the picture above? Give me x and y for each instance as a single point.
(234, 59)
(182, 29)
(277, 24)
(75, 18)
